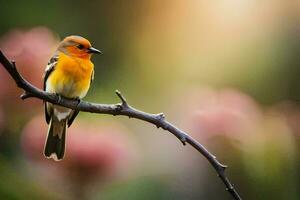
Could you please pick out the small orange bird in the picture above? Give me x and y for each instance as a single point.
(69, 73)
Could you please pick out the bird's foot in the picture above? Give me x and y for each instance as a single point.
(78, 100)
(59, 98)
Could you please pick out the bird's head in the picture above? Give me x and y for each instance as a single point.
(77, 46)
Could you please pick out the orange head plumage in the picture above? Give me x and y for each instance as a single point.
(77, 46)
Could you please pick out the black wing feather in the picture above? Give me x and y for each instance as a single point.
(49, 69)
(72, 117)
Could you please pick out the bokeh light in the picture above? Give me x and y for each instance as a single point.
(226, 72)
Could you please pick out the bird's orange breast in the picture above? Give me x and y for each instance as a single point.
(71, 77)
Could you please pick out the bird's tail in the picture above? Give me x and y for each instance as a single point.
(55, 143)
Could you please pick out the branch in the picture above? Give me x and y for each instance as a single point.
(122, 108)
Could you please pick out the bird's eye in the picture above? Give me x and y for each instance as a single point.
(80, 46)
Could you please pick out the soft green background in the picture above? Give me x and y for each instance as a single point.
(161, 54)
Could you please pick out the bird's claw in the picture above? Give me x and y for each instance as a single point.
(59, 98)
(78, 101)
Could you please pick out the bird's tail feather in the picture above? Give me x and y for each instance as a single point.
(55, 143)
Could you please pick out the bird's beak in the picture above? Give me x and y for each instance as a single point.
(94, 50)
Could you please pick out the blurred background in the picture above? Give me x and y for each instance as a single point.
(225, 71)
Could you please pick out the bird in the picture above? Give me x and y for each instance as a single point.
(68, 74)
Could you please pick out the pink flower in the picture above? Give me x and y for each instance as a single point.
(91, 149)
(31, 50)
(210, 112)
(33, 138)
(94, 153)
(96, 149)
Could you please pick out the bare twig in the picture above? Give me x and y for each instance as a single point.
(118, 109)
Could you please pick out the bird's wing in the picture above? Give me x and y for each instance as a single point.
(49, 69)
